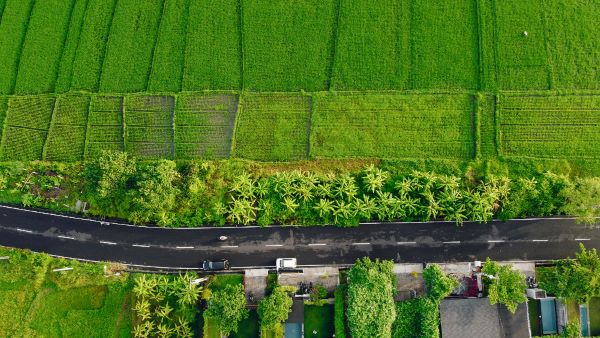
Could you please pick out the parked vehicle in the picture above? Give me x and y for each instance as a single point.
(216, 265)
(285, 263)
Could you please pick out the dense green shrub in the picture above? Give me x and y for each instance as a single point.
(274, 309)
(504, 285)
(339, 311)
(418, 317)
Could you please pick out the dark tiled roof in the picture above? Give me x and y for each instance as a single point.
(475, 317)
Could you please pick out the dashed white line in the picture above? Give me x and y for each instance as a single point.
(65, 237)
(582, 239)
(317, 244)
(229, 246)
(274, 245)
(539, 240)
(23, 230)
(140, 245)
(107, 243)
(405, 243)
(361, 243)
(184, 247)
(496, 241)
(452, 242)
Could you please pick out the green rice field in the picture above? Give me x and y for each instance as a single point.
(279, 80)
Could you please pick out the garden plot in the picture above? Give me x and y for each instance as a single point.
(149, 126)
(559, 126)
(66, 137)
(26, 127)
(273, 127)
(105, 125)
(288, 45)
(204, 125)
(393, 126)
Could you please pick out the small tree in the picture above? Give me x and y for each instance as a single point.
(275, 309)
(506, 286)
(438, 284)
(227, 307)
(577, 279)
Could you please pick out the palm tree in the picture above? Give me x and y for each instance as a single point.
(163, 330)
(242, 211)
(188, 293)
(344, 210)
(375, 178)
(243, 185)
(365, 207)
(345, 187)
(182, 328)
(143, 330)
(164, 311)
(290, 204)
(142, 308)
(324, 207)
(144, 286)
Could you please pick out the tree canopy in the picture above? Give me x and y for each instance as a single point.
(505, 286)
(274, 309)
(371, 288)
(438, 284)
(227, 308)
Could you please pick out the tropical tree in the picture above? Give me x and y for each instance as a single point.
(505, 285)
(274, 309)
(375, 178)
(438, 284)
(227, 308)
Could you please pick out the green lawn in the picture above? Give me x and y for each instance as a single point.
(249, 327)
(533, 308)
(594, 308)
(219, 282)
(319, 319)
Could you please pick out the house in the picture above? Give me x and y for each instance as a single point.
(475, 317)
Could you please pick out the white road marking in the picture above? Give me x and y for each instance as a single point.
(540, 240)
(229, 246)
(274, 245)
(452, 242)
(362, 243)
(496, 241)
(65, 237)
(23, 230)
(317, 244)
(582, 239)
(140, 245)
(184, 247)
(108, 243)
(403, 243)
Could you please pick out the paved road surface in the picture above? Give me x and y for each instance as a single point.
(532, 239)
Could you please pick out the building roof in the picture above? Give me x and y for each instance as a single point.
(475, 317)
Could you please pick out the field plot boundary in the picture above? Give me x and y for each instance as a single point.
(148, 122)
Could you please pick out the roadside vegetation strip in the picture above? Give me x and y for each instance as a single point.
(66, 137)
(213, 54)
(169, 53)
(13, 28)
(373, 47)
(65, 68)
(273, 127)
(130, 46)
(204, 125)
(149, 126)
(26, 126)
(288, 48)
(42, 49)
(87, 65)
(392, 126)
(454, 61)
(105, 125)
(557, 126)
(522, 59)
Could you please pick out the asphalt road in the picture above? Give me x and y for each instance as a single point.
(72, 237)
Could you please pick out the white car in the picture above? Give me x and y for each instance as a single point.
(285, 263)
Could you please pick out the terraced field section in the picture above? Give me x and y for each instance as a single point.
(393, 126)
(66, 137)
(558, 126)
(149, 126)
(104, 125)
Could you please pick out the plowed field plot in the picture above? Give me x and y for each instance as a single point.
(273, 127)
(562, 126)
(393, 126)
(105, 125)
(26, 127)
(204, 125)
(149, 126)
(66, 137)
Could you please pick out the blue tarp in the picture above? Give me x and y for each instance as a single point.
(293, 330)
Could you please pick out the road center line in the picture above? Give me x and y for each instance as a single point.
(403, 243)
(452, 242)
(140, 246)
(108, 243)
(362, 243)
(317, 244)
(496, 241)
(184, 247)
(229, 246)
(65, 237)
(274, 245)
(582, 239)
(540, 240)
(23, 230)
